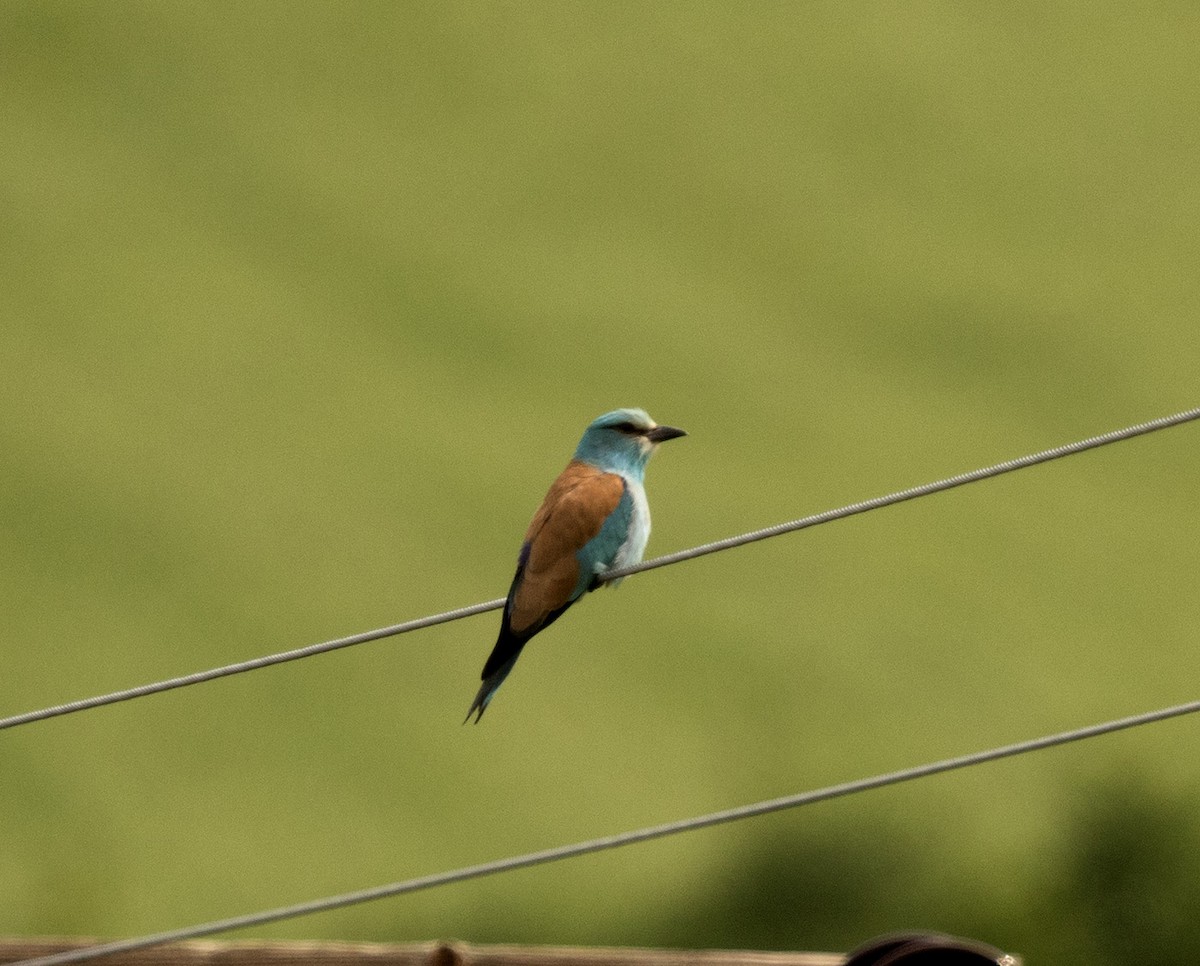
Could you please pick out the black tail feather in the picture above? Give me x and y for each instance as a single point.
(491, 683)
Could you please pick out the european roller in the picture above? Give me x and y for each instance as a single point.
(594, 518)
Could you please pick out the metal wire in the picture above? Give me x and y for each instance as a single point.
(605, 843)
(925, 489)
(816, 519)
(253, 664)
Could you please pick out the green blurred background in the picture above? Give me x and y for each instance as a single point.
(304, 305)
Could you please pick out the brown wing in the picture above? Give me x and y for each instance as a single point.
(572, 513)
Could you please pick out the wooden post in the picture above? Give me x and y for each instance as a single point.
(408, 954)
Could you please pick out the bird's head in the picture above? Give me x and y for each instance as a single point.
(623, 440)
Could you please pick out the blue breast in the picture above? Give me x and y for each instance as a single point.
(600, 553)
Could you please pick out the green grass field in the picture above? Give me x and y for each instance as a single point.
(305, 304)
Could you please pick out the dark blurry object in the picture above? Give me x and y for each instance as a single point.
(927, 949)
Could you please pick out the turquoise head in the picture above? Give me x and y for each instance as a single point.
(622, 441)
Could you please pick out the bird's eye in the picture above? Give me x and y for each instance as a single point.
(629, 428)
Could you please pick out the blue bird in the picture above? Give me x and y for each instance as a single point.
(594, 518)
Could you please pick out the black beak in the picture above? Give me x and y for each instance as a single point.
(660, 434)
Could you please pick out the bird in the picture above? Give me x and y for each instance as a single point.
(594, 518)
